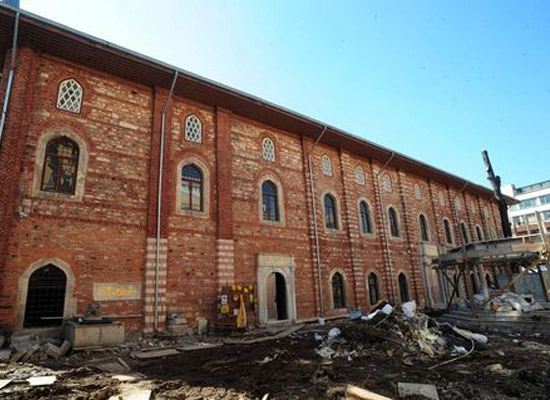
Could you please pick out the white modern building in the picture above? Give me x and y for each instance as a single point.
(534, 204)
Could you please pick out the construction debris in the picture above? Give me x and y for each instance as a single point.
(357, 393)
(417, 390)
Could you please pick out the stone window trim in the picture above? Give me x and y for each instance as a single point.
(192, 134)
(269, 149)
(371, 215)
(40, 156)
(417, 191)
(479, 233)
(346, 289)
(338, 213)
(464, 231)
(408, 281)
(428, 230)
(69, 309)
(280, 199)
(67, 107)
(359, 176)
(326, 165)
(441, 199)
(387, 183)
(379, 284)
(205, 187)
(388, 223)
(451, 233)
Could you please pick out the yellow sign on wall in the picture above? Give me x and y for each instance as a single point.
(111, 291)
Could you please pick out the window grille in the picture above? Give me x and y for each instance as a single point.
(193, 129)
(387, 183)
(417, 192)
(270, 205)
(191, 188)
(60, 166)
(359, 176)
(338, 291)
(45, 297)
(326, 165)
(69, 96)
(268, 150)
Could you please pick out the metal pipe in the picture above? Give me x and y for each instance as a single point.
(384, 227)
(11, 72)
(315, 231)
(159, 200)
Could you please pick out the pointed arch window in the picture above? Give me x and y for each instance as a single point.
(403, 288)
(424, 230)
(479, 233)
(191, 196)
(338, 291)
(270, 204)
(268, 149)
(365, 218)
(393, 221)
(193, 129)
(374, 292)
(69, 96)
(448, 232)
(331, 220)
(464, 233)
(387, 183)
(359, 176)
(326, 165)
(60, 166)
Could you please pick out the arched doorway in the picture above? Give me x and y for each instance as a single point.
(277, 307)
(403, 288)
(45, 303)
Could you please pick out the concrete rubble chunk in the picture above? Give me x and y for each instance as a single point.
(30, 352)
(41, 380)
(4, 383)
(417, 390)
(144, 355)
(357, 393)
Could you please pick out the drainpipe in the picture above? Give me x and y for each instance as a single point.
(159, 199)
(384, 227)
(315, 231)
(11, 71)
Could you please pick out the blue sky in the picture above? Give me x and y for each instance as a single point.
(437, 80)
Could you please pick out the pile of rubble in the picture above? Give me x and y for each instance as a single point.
(31, 348)
(400, 330)
(509, 301)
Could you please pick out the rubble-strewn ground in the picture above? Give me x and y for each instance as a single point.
(508, 367)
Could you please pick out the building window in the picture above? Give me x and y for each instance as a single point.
(479, 233)
(326, 165)
(193, 129)
(424, 231)
(191, 188)
(359, 176)
(403, 288)
(331, 221)
(270, 205)
(417, 192)
(441, 199)
(374, 294)
(69, 96)
(458, 204)
(545, 199)
(473, 207)
(448, 231)
(393, 222)
(60, 166)
(338, 291)
(464, 233)
(45, 303)
(268, 149)
(387, 183)
(364, 215)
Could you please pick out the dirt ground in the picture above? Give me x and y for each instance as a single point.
(508, 367)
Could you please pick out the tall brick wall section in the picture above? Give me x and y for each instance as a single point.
(109, 236)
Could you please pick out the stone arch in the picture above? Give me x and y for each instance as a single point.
(345, 288)
(274, 178)
(205, 188)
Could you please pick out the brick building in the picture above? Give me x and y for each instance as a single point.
(83, 216)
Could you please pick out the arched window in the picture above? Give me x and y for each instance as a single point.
(191, 188)
(448, 231)
(479, 233)
(69, 96)
(270, 205)
(331, 221)
(393, 222)
(417, 192)
(458, 204)
(268, 149)
(464, 233)
(359, 176)
(326, 165)
(374, 293)
(424, 231)
(60, 166)
(473, 207)
(45, 303)
(441, 199)
(338, 291)
(193, 129)
(387, 183)
(364, 215)
(403, 288)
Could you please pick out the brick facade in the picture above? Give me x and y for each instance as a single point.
(109, 235)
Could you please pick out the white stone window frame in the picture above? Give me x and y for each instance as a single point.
(280, 200)
(473, 207)
(399, 224)
(326, 165)
(468, 238)
(195, 136)
(451, 232)
(359, 176)
(441, 199)
(269, 152)
(458, 203)
(408, 279)
(372, 222)
(387, 183)
(379, 284)
(74, 106)
(81, 172)
(338, 214)
(428, 228)
(346, 290)
(417, 191)
(205, 188)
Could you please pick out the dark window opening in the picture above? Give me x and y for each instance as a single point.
(464, 232)
(393, 221)
(338, 291)
(331, 221)
(424, 233)
(45, 297)
(448, 235)
(366, 226)
(479, 233)
(60, 166)
(403, 288)
(191, 188)
(374, 295)
(270, 207)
